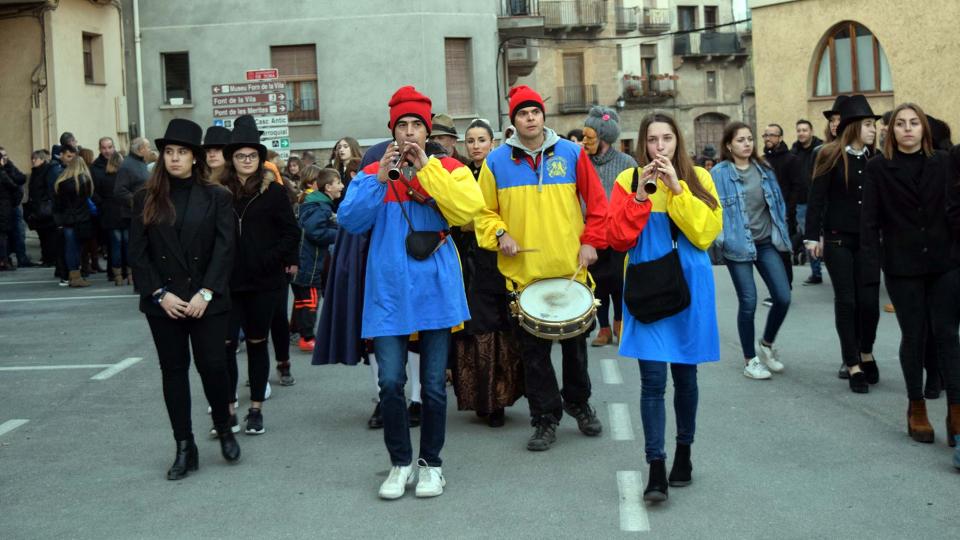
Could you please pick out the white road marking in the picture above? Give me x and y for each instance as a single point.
(611, 372)
(116, 368)
(620, 426)
(11, 425)
(68, 298)
(633, 515)
(47, 368)
(54, 282)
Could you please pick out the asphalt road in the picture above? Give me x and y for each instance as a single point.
(799, 456)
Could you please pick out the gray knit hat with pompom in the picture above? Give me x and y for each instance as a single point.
(605, 121)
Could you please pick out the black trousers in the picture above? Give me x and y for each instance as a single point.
(48, 244)
(174, 339)
(928, 305)
(856, 305)
(280, 328)
(540, 379)
(305, 302)
(608, 274)
(253, 310)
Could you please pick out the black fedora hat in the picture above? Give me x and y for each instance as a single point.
(853, 109)
(245, 135)
(836, 107)
(183, 132)
(216, 137)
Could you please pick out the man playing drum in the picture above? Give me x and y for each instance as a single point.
(532, 186)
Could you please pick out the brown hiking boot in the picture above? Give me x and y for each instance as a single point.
(604, 337)
(918, 425)
(953, 424)
(117, 276)
(76, 280)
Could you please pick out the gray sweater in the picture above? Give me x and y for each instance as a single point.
(609, 165)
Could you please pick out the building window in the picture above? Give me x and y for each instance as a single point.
(710, 16)
(93, 58)
(687, 17)
(176, 78)
(297, 66)
(851, 60)
(711, 85)
(708, 132)
(459, 76)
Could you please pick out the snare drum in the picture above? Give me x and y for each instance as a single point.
(555, 308)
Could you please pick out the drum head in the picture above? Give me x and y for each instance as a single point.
(556, 300)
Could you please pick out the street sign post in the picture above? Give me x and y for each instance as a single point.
(261, 96)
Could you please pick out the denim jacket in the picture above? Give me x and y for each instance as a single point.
(735, 240)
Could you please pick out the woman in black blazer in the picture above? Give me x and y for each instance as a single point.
(181, 251)
(906, 233)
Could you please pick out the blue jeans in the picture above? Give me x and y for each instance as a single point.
(118, 247)
(391, 354)
(770, 266)
(815, 264)
(653, 383)
(71, 249)
(16, 239)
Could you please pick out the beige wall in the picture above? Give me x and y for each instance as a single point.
(87, 110)
(20, 41)
(921, 48)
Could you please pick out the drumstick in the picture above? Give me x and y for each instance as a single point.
(573, 277)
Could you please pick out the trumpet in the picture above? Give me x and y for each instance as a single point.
(395, 173)
(650, 186)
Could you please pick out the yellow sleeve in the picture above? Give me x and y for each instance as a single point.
(699, 223)
(488, 221)
(456, 193)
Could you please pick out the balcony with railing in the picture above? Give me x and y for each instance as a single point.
(655, 20)
(626, 19)
(708, 44)
(649, 89)
(572, 99)
(519, 15)
(570, 14)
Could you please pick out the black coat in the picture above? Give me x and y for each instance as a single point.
(787, 168)
(111, 206)
(833, 207)
(8, 194)
(805, 159)
(953, 203)
(268, 238)
(904, 227)
(70, 206)
(200, 256)
(38, 209)
(133, 174)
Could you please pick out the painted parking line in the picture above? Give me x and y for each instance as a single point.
(11, 425)
(621, 427)
(53, 282)
(49, 368)
(611, 371)
(69, 298)
(633, 515)
(116, 368)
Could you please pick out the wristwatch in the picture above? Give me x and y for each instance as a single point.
(206, 294)
(158, 296)
(500, 233)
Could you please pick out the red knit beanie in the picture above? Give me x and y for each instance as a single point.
(408, 102)
(523, 96)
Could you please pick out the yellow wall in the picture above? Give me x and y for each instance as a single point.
(921, 45)
(20, 42)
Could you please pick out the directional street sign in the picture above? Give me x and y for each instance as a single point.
(275, 132)
(263, 122)
(248, 99)
(252, 87)
(258, 74)
(233, 112)
(262, 97)
(276, 144)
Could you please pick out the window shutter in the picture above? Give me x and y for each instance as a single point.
(459, 87)
(295, 61)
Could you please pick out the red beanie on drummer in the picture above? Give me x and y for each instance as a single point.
(408, 102)
(523, 96)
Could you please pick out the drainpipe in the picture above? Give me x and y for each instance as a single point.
(136, 40)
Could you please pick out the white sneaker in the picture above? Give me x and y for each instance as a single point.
(268, 392)
(396, 483)
(755, 370)
(769, 357)
(430, 480)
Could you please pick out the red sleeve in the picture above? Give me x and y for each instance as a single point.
(591, 190)
(626, 219)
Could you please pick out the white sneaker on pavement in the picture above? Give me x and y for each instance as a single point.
(396, 483)
(430, 480)
(769, 357)
(755, 370)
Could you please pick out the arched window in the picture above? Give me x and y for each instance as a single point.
(851, 60)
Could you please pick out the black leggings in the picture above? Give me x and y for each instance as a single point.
(280, 328)
(928, 304)
(305, 302)
(173, 339)
(856, 305)
(253, 310)
(609, 280)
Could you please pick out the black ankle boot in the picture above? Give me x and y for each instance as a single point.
(656, 483)
(871, 371)
(682, 470)
(185, 461)
(228, 444)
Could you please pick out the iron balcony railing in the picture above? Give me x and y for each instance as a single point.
(576, 98)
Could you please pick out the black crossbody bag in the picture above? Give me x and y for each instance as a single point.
(420, 244)
(657, 289)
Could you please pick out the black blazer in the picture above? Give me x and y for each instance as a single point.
(201, 256)
(904, 227)
(953, 202)
(833, 207)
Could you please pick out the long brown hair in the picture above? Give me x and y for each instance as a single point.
(729, 134)
(77, 170)
(157, 207)
(231, 180)
(354, 152)
(926, 141)
(832, 152)
(681, 159)
(113, 164)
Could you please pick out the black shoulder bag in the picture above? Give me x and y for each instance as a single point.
(655, 290)
(420, 244)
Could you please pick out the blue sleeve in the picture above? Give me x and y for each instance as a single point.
(316, 224)
(360, 207)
